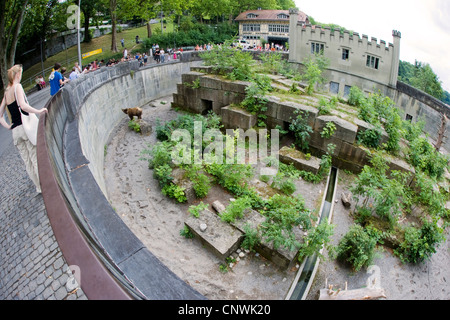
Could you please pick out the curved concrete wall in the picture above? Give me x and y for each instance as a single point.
(113, 263)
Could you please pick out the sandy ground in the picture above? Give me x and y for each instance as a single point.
(157, 221)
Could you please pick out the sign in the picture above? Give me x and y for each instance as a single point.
(88, 54)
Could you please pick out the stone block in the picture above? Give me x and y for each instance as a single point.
(363, 126)
(208, 94)
(355, 154)
(211, 82)
(202, 69)
(345, 130)
(178, 100)
(287, 111)
(281, 257)
(272, 123)
(234, 118)
(297, 158)
(222, 238)
(251, 217)
(190, 77)
(180, 180)
(272, 107)
(235, 86)
(316, 141)
(396, 164)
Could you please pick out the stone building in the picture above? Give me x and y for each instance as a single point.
(270, 25)
(353, 60)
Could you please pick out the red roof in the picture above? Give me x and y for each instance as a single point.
(271, 15)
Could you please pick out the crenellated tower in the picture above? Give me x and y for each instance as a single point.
(354, 59)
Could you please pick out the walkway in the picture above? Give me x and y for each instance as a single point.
(32, 266)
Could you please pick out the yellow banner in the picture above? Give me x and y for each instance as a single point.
(88, 54)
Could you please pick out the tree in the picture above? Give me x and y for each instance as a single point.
(11, 18)
(285, 4)
(421, 76)
(113, 12)
(88, 8)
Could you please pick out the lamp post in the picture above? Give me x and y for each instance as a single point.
(78, 35)
(162, 21)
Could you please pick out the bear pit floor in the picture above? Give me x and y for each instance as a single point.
(157, 220)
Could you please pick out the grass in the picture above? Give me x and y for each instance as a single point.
(103, 42)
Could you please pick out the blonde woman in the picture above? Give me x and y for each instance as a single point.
(13, 98)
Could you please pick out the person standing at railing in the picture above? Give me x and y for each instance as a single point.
(14, 103)
(56, 79)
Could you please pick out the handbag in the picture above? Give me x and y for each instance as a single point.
(29, 122)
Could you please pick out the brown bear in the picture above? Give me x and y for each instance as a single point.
(133, 112)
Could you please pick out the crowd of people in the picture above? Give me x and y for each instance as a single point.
(158, 54)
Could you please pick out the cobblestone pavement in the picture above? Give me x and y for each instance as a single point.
(32, 266)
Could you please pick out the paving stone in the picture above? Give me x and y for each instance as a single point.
(27, 245)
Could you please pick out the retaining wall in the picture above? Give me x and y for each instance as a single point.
(113, 263)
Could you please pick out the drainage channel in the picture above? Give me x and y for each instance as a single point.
(305, 276)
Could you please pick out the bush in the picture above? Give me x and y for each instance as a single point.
(370, 138)
(356, 248)
(317, 238)
(420, 244)
(236, 209)
(301, 130)
(424, 157)
(175, 192)
(251, 238)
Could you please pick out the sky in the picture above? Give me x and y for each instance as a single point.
(424, 25)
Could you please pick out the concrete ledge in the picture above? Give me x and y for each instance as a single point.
(297, 158)
(219, 236)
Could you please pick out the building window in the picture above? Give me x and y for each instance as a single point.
(279, 28)
(345, 54)
(283, 16)
(251, 16)
(251, 27)
(373, 62)
(347, 91)
(317, 48)
(334, 87)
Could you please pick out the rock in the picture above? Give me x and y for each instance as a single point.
(241, 255)
(203, 227)
(218, 206)
(346, 200)
(146, 129)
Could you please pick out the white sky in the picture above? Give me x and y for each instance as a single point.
(424, 24)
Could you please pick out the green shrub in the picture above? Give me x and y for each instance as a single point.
(175, 192)
(251, 238)
(420, 244)
(423, 156)
(186, 232)
(370, 138)
(135, 126)
(301, 130)
(317, 238)
(159, 155)
(236, 209)
(284, 184)
(196, 210)
(356, 248)
(328, 131)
